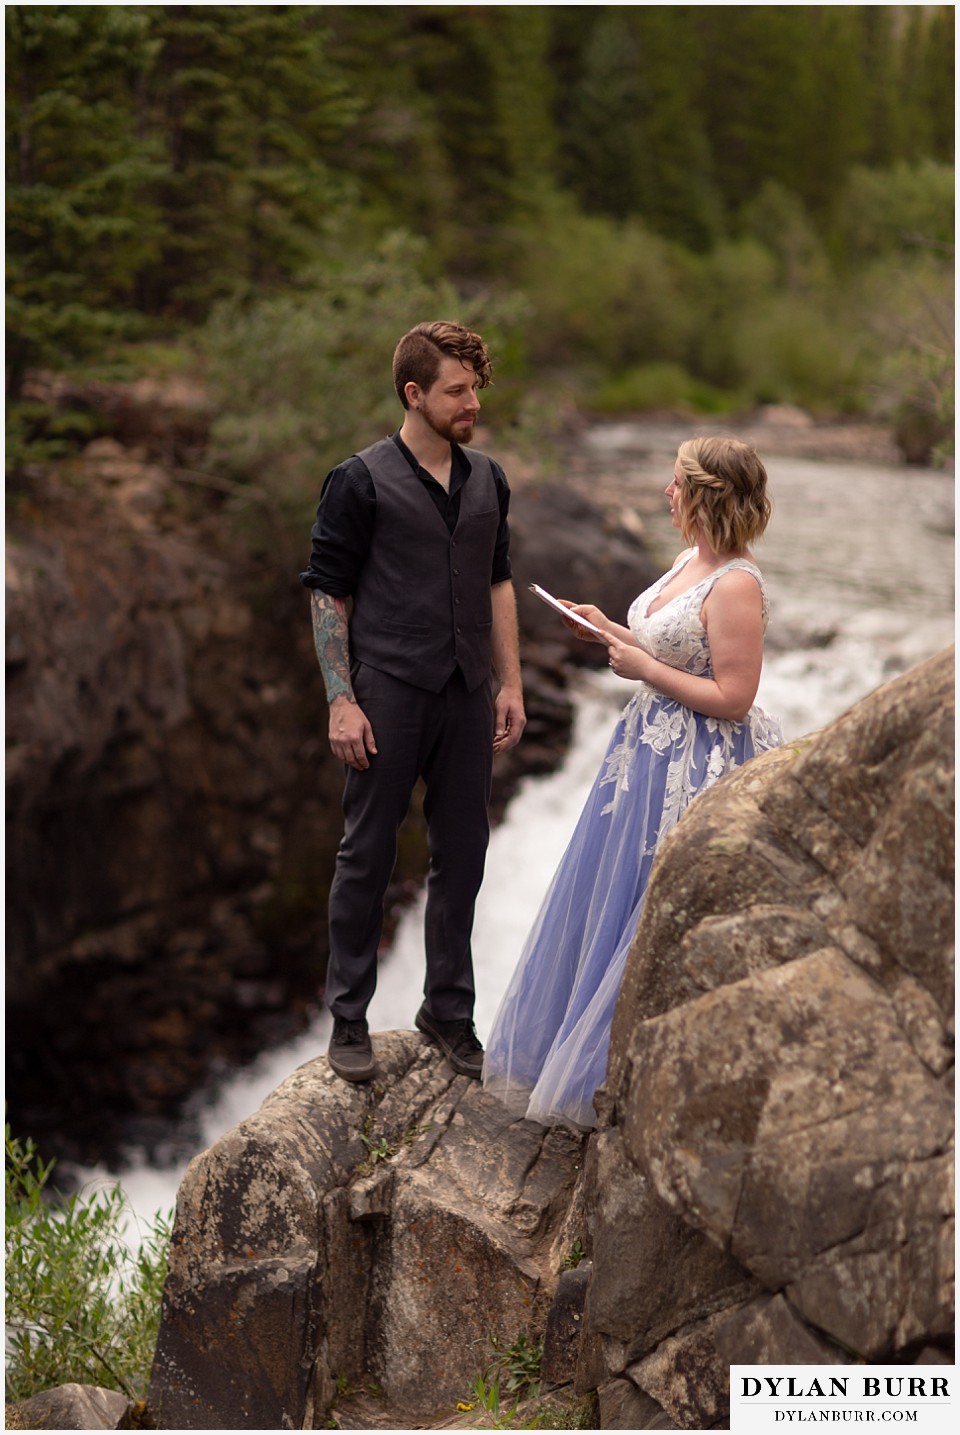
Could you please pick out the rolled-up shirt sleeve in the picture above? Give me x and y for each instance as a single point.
(502, 569)
(341, 535)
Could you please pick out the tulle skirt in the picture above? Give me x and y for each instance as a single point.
(547, 1053)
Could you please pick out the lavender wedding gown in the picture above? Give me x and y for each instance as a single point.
(547, 1052)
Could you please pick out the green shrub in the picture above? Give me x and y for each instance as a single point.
(906, 306)
(733, 282)
(789, 350)
(303, 380)
(39, 433)
(896, 210)
(649, 387)
(604, 293)
(80, 1304)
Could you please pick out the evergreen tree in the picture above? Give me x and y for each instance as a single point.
(884, 104)
(929, 83)
(250, 111)
(601, 117)
(673, 165)
(832, 132)
(517, 50)
(455, 126)
(940, 83)
(756, 90)
(80, 224)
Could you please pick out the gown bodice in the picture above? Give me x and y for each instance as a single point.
(674, 633)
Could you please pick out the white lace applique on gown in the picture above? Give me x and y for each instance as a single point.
(547, 1052)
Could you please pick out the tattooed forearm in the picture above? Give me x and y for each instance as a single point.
(332, 642)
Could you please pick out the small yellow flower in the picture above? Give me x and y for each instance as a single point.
(462, 1405)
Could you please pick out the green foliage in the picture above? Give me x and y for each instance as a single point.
(574, 1256)
(902, 210)
(80, 221)
(517, 1366)
(300, 380)
(603, 293)
(787, 350)
(380, 1149)
(497, 1415)
(674, 189)
(80, 1304)
(581, 1413)
(36, 433)
(635, 140)
(648, 388)
(778, 220)
(250, 114)
(912, 361)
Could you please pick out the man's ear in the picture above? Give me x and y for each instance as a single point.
(412, 392)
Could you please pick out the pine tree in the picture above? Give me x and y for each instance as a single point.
(250, 111)
(935, 84)
(673, 166)
(601, 116)
(80, 224)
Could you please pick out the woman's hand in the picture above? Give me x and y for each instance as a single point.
(628, 661)
(592, 614)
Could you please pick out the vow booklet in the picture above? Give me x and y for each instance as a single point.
(574, 617)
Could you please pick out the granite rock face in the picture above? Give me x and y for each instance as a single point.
(771, 1181)
(778, 1100)
(354, 1235)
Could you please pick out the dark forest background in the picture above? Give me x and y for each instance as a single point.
(693, 208)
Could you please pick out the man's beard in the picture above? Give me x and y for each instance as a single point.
(453, 430)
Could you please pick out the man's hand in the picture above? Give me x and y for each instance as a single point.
(351, 736)
(510, 719)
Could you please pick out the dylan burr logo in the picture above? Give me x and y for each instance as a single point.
(777, 1398)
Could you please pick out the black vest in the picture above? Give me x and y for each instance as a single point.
(422, 605)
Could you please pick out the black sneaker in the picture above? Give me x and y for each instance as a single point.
(456, 1039)
(350, 1052)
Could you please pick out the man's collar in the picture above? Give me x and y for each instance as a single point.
(459, 463)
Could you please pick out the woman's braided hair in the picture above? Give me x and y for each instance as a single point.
(724, 493)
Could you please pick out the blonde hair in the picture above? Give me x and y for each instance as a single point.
(723, 493)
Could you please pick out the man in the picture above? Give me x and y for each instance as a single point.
(414, 615)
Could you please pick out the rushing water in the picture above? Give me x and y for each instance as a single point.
(859, 561)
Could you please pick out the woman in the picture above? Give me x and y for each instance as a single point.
(694, 642)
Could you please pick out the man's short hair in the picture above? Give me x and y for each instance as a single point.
(417, 357)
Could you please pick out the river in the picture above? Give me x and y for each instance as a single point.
(859, 561)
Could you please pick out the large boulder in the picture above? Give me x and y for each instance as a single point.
(771, 1181)
(778, 1107)
(349, 1236)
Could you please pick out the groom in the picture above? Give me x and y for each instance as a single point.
(414, 618)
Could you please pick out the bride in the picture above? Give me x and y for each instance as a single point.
(694, 643)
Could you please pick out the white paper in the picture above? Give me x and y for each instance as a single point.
(574, 617)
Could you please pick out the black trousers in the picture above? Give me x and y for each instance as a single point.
(447, 739)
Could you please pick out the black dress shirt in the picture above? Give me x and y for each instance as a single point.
(347, 510)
